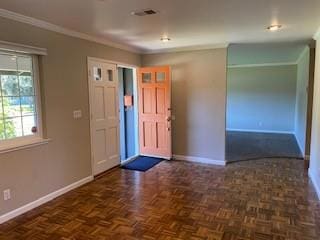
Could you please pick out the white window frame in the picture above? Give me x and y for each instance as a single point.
(22, 142)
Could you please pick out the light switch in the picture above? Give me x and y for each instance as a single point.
(77, 114)
(7, 194)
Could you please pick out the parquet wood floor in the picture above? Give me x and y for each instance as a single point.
(267, 199)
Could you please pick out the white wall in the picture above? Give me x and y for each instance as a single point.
(302, 99)
(262, 98)
(314, 170)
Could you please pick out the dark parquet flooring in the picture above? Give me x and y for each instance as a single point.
(269, 199)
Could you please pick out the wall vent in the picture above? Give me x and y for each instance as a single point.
(144, 12)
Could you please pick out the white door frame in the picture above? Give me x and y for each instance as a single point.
(135, 90)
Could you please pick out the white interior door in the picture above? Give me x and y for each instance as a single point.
(104, 109)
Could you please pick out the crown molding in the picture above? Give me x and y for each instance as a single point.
(189, 48)
(262, 65)
(55, 28)
(316, 36)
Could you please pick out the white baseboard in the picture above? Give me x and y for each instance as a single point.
(258, 131)
(44, 199)
(315, 180)
(130, 159)
(199, 160)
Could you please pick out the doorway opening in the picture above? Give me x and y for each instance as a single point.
(128, 114)
(121, 127)
(268, 101)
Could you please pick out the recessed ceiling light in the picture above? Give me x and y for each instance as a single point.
(165, 39)
(274, 27)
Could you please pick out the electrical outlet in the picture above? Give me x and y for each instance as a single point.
(77, 114)
(7, 194)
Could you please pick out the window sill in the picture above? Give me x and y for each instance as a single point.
(25, 145)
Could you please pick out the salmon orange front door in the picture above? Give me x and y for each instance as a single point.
(155, 111)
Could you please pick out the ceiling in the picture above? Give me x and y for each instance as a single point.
(189, 23)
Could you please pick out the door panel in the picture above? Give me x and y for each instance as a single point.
(147, 134)
(104, 110)
(100, 146)
(99, 103)
(147, 100)
(155, 111)
(161, 136)
(111, 97)
(113, 146)
(160, 100)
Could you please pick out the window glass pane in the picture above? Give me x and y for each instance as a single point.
(110, 75)
(146, 77)
(9, 84)
(24, 64)
(17, 97)
(160, 76)
(8, 62)
(26, 85)
(97, 74)
(1, 109)
(29, 125)
(24, 68)
(2, 134)
(13, 127)
(28, 105)
(11, 106)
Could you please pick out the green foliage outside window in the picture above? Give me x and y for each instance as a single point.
(17, 96)
(9, 131)
(10, 87)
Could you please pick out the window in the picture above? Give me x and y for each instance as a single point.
(110, 75)
(146, 77)
(97, 74)
(160, 77)
(19, 100)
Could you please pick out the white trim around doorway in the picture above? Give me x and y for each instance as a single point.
(136, 117)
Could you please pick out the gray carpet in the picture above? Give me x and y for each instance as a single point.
(247, 145)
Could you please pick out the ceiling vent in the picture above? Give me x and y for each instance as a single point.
(144, 12)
